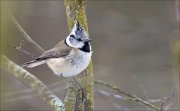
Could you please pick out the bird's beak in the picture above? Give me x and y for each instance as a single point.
(87, 40)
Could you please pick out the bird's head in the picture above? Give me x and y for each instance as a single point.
(77, 37)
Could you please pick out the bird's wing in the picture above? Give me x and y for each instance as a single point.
(60, 50)
(54, 53)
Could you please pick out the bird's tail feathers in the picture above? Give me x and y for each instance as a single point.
(33, 63)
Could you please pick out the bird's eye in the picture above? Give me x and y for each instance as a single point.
(72, 36)
(79, 39)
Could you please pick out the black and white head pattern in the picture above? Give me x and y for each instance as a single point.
(78, 38)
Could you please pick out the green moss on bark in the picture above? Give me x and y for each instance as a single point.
(76, 10)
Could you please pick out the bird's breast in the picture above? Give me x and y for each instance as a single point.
(70, 65)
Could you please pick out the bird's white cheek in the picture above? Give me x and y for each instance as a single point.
(68, 41)
(79, 45)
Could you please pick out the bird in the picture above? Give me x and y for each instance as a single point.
(70, 56)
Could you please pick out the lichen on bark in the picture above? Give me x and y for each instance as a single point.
(76, 10)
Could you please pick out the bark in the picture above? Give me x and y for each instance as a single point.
(76, 10)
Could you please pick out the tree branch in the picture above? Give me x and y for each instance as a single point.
(166, 100)
(70, 95)
(130, 97)
(19, 48)
(53, 101)
(25, 35)
(112, 95)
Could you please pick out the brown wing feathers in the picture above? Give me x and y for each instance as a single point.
(60, 50)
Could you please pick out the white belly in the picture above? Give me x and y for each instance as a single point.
(70, 66)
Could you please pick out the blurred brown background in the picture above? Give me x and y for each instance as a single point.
(132, 44)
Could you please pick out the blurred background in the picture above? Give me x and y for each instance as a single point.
(133, 44)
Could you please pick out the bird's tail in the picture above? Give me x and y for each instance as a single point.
(33, 63)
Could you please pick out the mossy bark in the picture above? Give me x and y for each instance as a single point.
(76, 10)
(52, 100)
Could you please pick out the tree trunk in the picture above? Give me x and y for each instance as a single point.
(76, 10)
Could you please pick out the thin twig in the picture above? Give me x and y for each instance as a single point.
(155, 100)
(165, 100)
(116, 105)
(111, 95)
(19, 48)
(52, 100)
(131, 97)
(25, 35)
